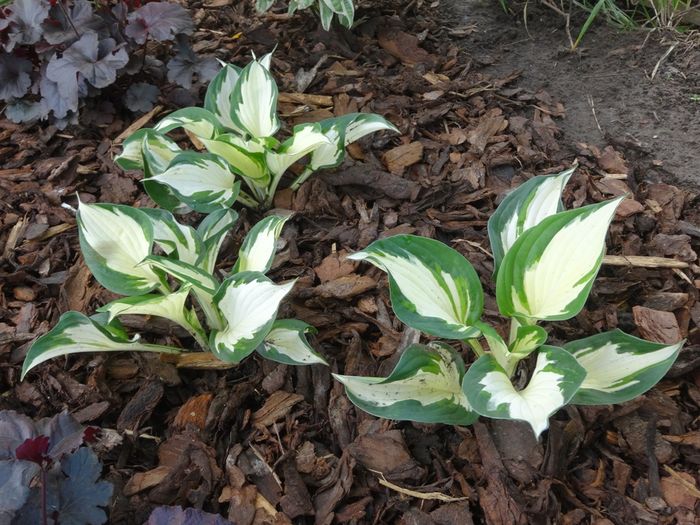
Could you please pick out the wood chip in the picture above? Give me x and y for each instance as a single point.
(655, 325)
(401, 157)
(276, 407)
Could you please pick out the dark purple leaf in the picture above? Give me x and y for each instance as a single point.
(82, 493)
(60, 30)
(14, 430)
(64, 432)
(60, 101)
(160, 21)
(14, 76)
(190, 516)
(33, 449)
(25, 111)
(25, 22)
(185, 64)
(15, 477)
(141, 97)
(96, 61)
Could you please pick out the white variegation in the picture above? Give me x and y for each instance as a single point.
(131, 157)
(306, 138)
(205, 176)
(237, 152)
(364, 124)
(174, 238)
(247, 307)
(290, 344)
(170, 306)
(158, 152)
(118, 239)
(185, 273)
(260, 245)
(557, 278)
(76, 333)
(419, 285)
(218, 99)
(254, 101)
(197, 121)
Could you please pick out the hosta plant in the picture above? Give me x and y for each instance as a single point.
(237, 126)
(546, 260)
(344, 10)
(158, 264)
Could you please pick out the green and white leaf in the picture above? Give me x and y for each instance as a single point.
(549, 271)
(248, 302)
(254, 101)
(425, 386)
(174, 239)
(295, 5)
(345, 9)
(131, 157)
(114, 240)
(76, 333)
(555, 380)
(527, 340)
(218, 97)
(326, 15)
(246, 156)
(306, 138)
(203, 181)
(498, 347)
(433, 288)
(198, 121)
(259, 246)
(286, 343)
(525, 207)
(158, 151)
(212, 230)
(619, 366)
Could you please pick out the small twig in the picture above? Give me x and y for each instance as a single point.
(663, 57)
(595, 117)
(70, 21)
(692, 489)
(643, 261)
(413, 493)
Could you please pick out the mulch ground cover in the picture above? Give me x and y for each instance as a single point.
(269, 443)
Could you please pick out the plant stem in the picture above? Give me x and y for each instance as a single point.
(44, 503)
(476, 346)
(301, 179)
(70, 21)
(247, 200)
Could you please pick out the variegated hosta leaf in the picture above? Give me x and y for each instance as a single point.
(619, 366)
(114, 240)
(158, 151)
(345, 9)
(246, 156)
(294, 5)
(203, 181)
(76, 333)
(248, 302)
(170, 306)
(212, 231)
(498, 347)
(326, 15)
(306, 138)
(554, 382)
(433, 288)
(525, 207)
(254, 101)
(259, 246)
(174, 239)
(527, 340)
(218, 97)
(425, 386)
(286, 343)
(131, 157)
(549, 271)
(342, 131)
(198, 121)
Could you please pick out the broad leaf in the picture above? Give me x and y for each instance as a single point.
(131, 157)
(76, 333)
(60, 29)
(555, 380)
(248, 302)
(245, 156)
(14, 76)
(198, 121)
(433, 288)
(286, 343)
(524, 207)
(184, 273)
(174, 238)
(619, 366)
(254, 101)
(259, 246)
(15, 480)
(203, 181)
(160, 21)
(425, 386)
(306, 138)
(527, 340)
(549, 271)
(218, 97)
(83, 494)
(114, 240)
(326, 15)
(141, 97)
(26, 17)
(212, 231)
(345, 9)
(158, 152)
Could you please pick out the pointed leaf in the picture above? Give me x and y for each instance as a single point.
(184, 273)
(212, 231)
(254, 101)
(244, 156)
(306, 138)
(203, 181)
(433, 288)
(425, 386)
(248, 302)
(619, 366)
(554, 382)
(175, 239)
(218, 97)
(345, 9)
(259, 246)
(527, 340)
(549, 271)
(76, 333)
(286, 343)
(114, 240)
(198, 121)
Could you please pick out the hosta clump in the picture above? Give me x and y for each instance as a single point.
(53, 53)
(344, 10)
(47, 475)
(237, 126)
(239, 312)
(546, 260)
